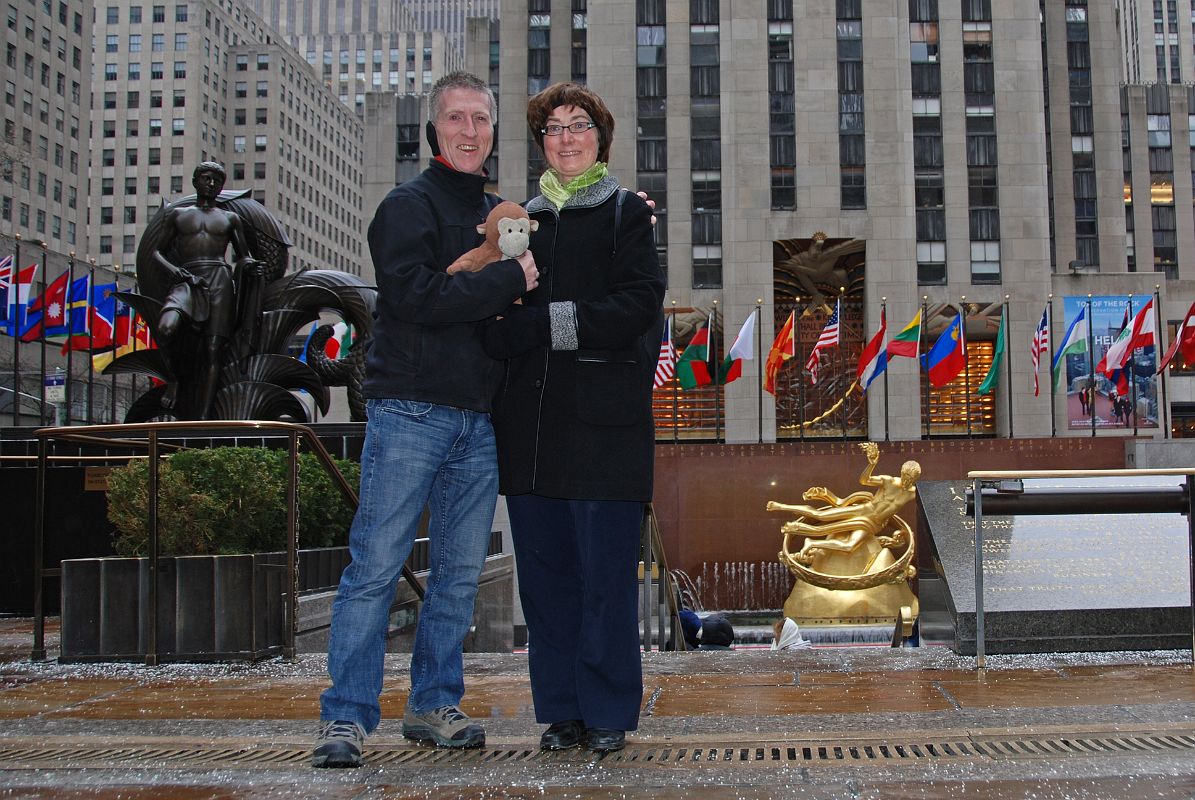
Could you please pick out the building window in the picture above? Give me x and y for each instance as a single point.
(852, 157)
(782, 143)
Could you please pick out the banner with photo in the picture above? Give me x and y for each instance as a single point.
(1127, 397)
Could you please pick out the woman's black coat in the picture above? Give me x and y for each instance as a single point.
(577, 423)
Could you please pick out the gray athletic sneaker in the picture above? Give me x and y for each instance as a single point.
(447, 726)
(338, 744)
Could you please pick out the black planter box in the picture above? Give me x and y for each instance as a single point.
(210, 608)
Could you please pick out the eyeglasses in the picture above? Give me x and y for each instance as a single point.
(576, 127)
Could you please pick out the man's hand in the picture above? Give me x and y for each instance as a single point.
(650, 204)
(530, 272)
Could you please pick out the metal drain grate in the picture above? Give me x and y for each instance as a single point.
(755, 754)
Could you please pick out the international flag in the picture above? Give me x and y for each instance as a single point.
(1073, 343)
(1140, 334)
(828, 338)
(47, 312)
(1040, 345)
(907, 343)
(18, 300)
(693, 368)
(947, 358)
(993, 377)
(666, 364)
(1184, 341)
(100, 333)
(782, 350)
(743, 349)
(78, 302)
(5, 282)
(874, 358)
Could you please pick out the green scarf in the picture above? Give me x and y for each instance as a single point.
(549, 183)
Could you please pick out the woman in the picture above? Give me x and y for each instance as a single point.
(574, 426)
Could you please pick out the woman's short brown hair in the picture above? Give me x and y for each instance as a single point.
(541, 106)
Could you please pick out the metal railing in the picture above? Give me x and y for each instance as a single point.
(117, 436)
(665, 606)
(1002, 493)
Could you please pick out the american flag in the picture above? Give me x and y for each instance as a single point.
(1040, 344)
(666, 366)
(826, 339)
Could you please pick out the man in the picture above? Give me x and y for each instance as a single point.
(428, 441)
(205, 288)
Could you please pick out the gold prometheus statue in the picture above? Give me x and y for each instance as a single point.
(846, 567)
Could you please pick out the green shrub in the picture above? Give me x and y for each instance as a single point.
(227, 500)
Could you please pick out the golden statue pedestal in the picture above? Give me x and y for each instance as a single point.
(856, 555)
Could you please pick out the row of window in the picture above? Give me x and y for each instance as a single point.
(157, 43)
(782, 140)
(38, 217)
(705, 136)
(651, 146)
(156, 14)
(1078, 54)
(852, 157)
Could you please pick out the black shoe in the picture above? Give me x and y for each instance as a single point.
(338, 744)
(562, 735)
(605, 740)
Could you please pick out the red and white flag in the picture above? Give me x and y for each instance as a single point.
(1184, 340)
(826, 339)
(666, 366)
(1040, 345)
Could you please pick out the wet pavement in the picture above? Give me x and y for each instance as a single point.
(868, 723)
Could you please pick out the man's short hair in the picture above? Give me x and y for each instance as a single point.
(209, 166)
(459, 80)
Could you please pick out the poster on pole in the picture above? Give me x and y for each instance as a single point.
(1126, 398)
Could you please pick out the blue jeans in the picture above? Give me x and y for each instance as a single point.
(415, 455)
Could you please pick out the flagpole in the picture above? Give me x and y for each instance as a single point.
(45, 310)
(1091, 363)
(713, 353)
(842, 415)
(927, 412)
(1132, 362)
(962, 335)
(15, 289)
(116, 281)
(800, 376)
(1008, 365)
(1053, 390)
(1163, 410)
(70, 329)
(133, 333)
(759, 356)
(675, 384)
(884, 316)
(90, 340)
